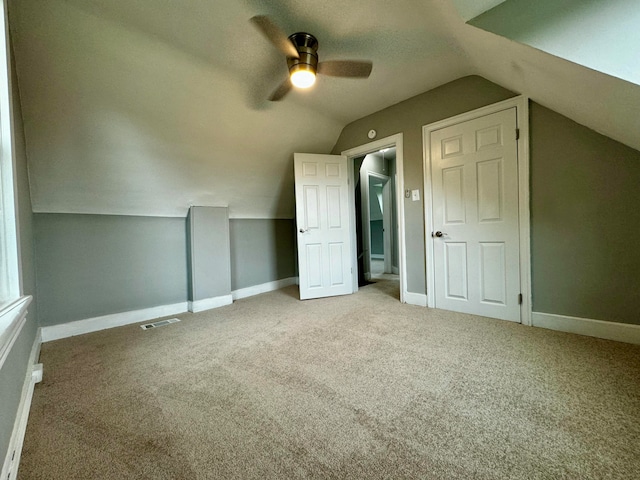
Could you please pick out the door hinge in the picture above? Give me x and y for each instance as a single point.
(517, 134)
(519, 299)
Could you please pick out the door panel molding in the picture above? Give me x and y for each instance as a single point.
(521, 104)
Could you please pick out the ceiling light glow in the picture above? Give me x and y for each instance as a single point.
(302, 77)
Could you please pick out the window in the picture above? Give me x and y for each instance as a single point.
(13, 306)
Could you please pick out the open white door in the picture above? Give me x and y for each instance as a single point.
(323, 225)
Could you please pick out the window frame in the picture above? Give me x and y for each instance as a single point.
(13, 304)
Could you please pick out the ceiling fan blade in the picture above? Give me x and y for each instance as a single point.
(281, 91)
(275, 35)
(346, 68)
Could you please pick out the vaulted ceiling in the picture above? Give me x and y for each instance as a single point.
(143, 107)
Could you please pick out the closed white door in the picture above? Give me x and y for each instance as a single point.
(324, 231)
(475, 216)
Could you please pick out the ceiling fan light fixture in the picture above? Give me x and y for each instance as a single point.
(301, 52)
(302, 76)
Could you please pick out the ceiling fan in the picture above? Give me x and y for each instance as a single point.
(301, 50)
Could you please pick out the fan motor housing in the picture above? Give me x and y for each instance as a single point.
(307, 46)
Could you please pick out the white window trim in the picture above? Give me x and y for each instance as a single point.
(12, 318)
(13, 308)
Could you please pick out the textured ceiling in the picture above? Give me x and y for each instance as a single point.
(143, 107)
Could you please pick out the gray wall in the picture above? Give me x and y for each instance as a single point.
(93, 265)
(408, 117)
(585, 220)
(261, 251)
(584, 202)
(14, 370)
(209, 257)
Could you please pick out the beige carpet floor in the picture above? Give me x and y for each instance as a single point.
(352, 387)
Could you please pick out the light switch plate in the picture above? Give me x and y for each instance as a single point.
(415, 195)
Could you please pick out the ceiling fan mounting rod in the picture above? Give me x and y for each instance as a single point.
(307, 47)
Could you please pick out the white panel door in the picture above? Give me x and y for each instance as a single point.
(474, 168)
(324, 231)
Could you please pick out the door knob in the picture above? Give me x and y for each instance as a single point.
(438, 234)
(302, 230)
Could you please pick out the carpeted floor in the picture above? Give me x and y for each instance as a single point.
(349, 387)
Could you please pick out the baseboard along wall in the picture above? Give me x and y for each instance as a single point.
(95, 324)
(620, 332)
(80, 327)
(263, 288)
(209, 303)
(419, 299)
(34, 375)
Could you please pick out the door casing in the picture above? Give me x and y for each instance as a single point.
(521, 103)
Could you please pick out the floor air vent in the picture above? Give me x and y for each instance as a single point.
(160, 323)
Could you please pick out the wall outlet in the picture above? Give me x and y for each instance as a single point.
(415, 195)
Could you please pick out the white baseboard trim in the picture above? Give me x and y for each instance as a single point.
(80, 327)
(196, 306)
(419, 299)
(620, 332)
(263, 288)
(34, 375)
(395, 270)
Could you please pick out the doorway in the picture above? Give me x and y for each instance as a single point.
(377, 211)
(377, 239)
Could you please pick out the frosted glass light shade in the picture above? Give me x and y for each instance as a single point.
(302, 78)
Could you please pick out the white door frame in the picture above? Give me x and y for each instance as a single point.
(385, 218)
(521, 103)
(387, 142)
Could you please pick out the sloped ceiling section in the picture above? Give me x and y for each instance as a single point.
(469, 9)
(144, 107)
(602, 102)
(604, 36)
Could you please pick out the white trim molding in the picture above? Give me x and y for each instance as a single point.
(196, 306)
(34, 375)
(263, 288)
(419, 299)
(620, 332)
(521, 104)
(80, 327)
(12, 318)
(390, 141)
